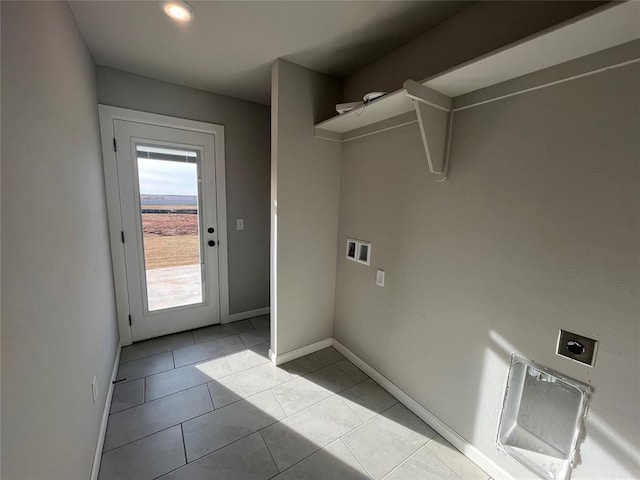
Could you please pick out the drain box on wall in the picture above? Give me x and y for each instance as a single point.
(542, 417)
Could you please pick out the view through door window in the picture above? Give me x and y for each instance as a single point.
(168, 180)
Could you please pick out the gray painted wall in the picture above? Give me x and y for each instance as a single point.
(304, 199)
(58, 308)
(536, 229)
(477, 30)
(247, 168)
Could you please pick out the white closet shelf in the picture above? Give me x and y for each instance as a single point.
(600, 29)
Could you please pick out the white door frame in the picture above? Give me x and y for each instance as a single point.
(107, 116)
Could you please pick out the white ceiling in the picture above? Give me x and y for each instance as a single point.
(229, 47)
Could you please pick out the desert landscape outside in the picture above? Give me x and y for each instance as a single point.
(170, 230)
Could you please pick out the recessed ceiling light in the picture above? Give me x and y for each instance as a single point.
(179, 10)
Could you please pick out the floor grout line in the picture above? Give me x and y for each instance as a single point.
(162, 430)
(356, 457)
(447, 463)
(286, 415)
(159, 398)
(224, 335)
(339, 438)
(230, 443)
(211, 397)
(405, 460)
(232, 351)
(184, 445)
(269, 450)
(138, 439)
(316, 402)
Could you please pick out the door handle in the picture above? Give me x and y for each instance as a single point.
(212, 243)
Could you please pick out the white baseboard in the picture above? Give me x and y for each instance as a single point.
(300, 352)
(234, 317)
(471, 452)
(105, 418)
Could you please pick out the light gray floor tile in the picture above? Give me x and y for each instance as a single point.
(352, 371)
(293, 438)
(148, 418)
(145, 366)
(251, 357)
(147, 458)
(248, 382)
(314, 361)
(424, 465)
(388, 439)
(333, 462)
(127, 394)
(331, 378)
(155, 346)
(263, 321)
(247, 459)
(299, 394)
(214, 332)
(182, 378)
(455, 460)
(207, 350)
(302, 392)
(255, 337)
(219, 428)
(368, 399)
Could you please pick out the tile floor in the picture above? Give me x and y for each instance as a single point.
(208, 404)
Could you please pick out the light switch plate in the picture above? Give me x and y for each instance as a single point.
(239, 224)
(380, 278)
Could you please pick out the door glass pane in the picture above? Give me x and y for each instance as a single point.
(168, 180)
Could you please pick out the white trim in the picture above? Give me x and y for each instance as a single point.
(105, 418)
(107, 115)
(300, 352)
(468, 450)
(234, 317)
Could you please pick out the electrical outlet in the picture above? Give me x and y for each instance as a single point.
(577, 348)
(239, 224)
(380, 278)
(94, 389)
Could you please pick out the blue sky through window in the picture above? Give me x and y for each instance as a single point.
(164, 177)
(167, 177)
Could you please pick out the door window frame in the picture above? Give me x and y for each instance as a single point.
(108, 115)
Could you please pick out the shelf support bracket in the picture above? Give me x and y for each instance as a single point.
(433, 110)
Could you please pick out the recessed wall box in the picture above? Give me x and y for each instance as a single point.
(542, 416)
(359, 251)
(352, 249)
(364, 252)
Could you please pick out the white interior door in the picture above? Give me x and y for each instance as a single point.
(166, 179)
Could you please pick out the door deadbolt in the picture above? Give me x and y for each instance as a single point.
(212, 243)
